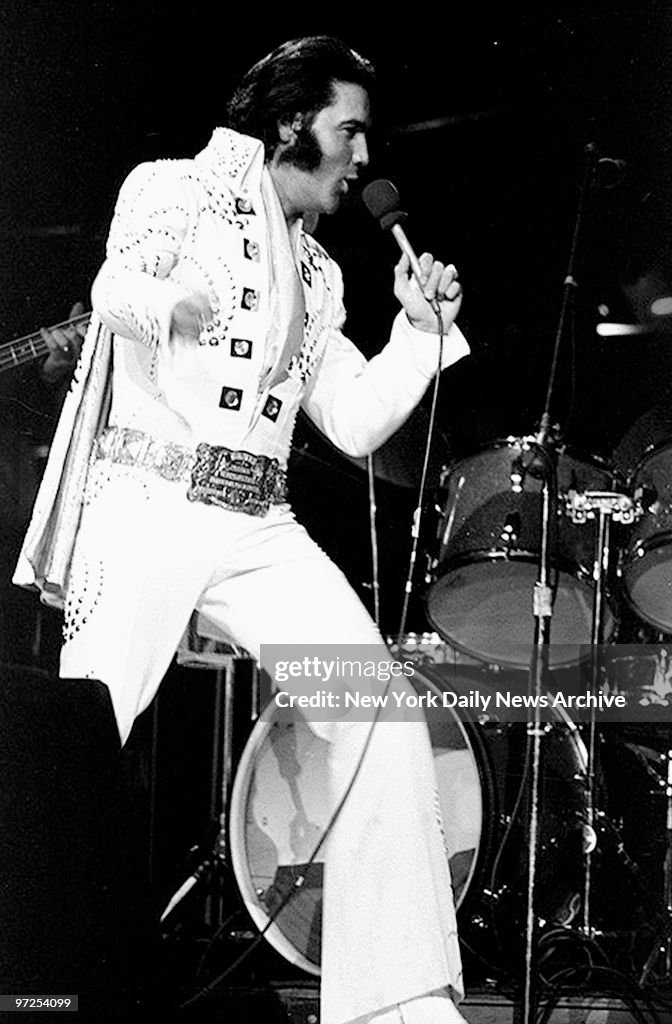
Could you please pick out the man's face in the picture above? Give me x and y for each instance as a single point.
(338, 135)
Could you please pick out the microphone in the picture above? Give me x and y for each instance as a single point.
(381, 199)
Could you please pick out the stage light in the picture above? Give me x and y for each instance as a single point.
(662, 306)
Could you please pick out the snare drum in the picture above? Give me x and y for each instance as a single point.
(489, 541)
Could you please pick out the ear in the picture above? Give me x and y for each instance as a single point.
(288, 130)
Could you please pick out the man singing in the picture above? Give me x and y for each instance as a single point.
(226, 317)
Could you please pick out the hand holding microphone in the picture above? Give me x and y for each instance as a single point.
(423, 286)
(434, 283)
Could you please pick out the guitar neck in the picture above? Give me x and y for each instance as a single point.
(32, 346)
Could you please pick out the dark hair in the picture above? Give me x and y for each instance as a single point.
(297, 77)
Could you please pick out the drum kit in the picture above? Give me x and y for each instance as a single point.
(612, 608)
(480, 575)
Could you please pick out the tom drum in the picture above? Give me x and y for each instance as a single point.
(480, 597)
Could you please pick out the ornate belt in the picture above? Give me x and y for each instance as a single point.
(235, 480)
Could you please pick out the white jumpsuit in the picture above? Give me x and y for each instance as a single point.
(145, 556)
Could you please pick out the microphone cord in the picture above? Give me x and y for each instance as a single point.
(417, 515)
(375, 582)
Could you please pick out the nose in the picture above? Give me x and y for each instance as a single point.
(360, 150)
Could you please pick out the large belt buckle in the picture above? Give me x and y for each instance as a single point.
(238, 481)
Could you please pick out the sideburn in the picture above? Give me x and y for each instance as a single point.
(304, 153)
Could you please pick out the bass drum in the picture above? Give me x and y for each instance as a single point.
(280, 808)
(489, 542)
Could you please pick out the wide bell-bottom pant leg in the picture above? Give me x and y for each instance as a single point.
(389, 933)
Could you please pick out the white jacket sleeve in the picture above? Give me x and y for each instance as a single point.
(360, 403)
(132, 292)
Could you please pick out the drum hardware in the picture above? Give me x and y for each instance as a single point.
(606, 507)
(646, 497)
(610, 829)
(517, 475)
(581, 507)
(533, 465)
(503, 535)
(204, 650)
(429, 648)
(644, 673)
(467, 513)
(510, 532)
(661, 951)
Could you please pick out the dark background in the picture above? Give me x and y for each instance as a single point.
(485, 115)
(483, 122)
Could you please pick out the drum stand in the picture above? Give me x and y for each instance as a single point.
(606, 506)
(580, 507)
(662, 943)
(214, 870)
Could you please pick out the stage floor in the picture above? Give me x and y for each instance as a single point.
(299, 1004)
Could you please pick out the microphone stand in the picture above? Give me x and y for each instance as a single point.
(543, 464)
